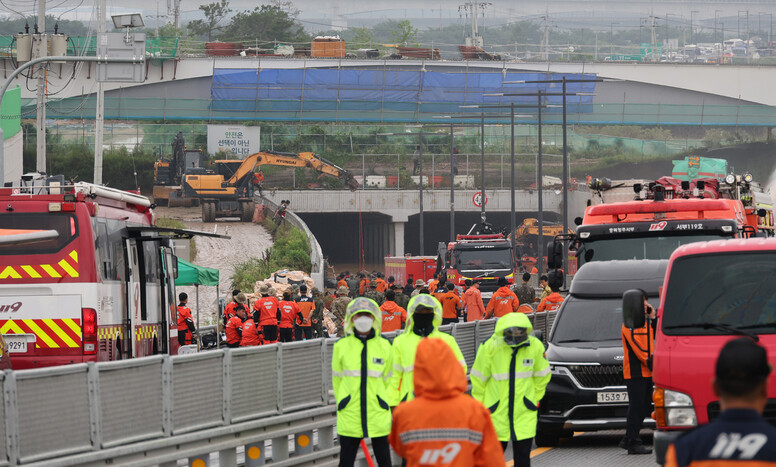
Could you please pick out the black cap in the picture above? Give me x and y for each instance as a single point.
(468, 282)
(303, 288)
(526, 277)
(502, 281)
(235, 292)
(742, 365)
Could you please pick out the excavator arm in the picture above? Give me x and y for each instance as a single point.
(303, 159)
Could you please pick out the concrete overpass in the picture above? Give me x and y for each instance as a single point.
(385, 222)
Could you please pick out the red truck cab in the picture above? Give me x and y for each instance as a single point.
(713, 292)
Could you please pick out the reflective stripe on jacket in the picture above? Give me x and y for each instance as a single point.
(510, 381)
(268, 310)
(502, 302)
(636, 349)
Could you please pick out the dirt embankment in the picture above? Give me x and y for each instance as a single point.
(247, 240)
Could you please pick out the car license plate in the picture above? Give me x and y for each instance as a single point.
(486, 294)
(15, 344)
(612, 397)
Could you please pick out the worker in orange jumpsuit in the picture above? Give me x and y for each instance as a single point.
(185, 322)
(266, 314)
(434, 284)
(363, 284)
(394, 316)
(525, 308)
(229, 308)
(341, 281)
(451, 305)
(303, 322)
(442, 425)
(382, 286)
(258, 180)
(552, 301)
(503, 301)
(439, 290)
(249, 335)
(472, 301)
(234, 328)
(288, 313)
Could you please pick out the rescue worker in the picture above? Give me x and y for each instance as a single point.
(638, 346)
(451, 305)
(288, 313)
(391, 281)
(415, 160)
(525, 308)
(740, 435)
(382, 286)
(338, 308)
(234, 328)
(249, 335)
(267, 314)
(552, 301)
(408, 288)
(434, 420)
(439, 290)
(185, 321)
(229, 308)
(401, 298)
(502, 302)
(434, 282)
(524, 292)
(419, 285)
(258, 180)
(509, 376)
(363, 284)
(472, 301)
(424, 317)
(360, 370)
(341, 281)
(394, 317)
(373, 294)
(303, 324)
(317, 316)
(546, 290)
(353, 283)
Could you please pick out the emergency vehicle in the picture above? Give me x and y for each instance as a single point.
(410, 267)
(713, 292)
(84, 275)
(484, 258)
(668, 213)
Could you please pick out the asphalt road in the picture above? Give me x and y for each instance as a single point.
(595, 449)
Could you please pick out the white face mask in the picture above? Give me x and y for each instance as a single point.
(363, 323)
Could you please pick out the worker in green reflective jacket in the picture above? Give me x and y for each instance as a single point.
(361, 367)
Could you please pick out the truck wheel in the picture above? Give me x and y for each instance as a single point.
(208, 211)
(246, 211)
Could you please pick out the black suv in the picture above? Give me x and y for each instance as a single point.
(587, 390)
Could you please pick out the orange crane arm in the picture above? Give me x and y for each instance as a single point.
(303, 159)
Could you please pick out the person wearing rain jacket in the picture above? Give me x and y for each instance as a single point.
(442, 425)
(360, 372)
(423, 320)
(509, 377)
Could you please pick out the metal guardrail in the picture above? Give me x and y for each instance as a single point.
(316, 253)
(160, 409)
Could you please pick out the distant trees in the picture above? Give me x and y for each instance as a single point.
(214, 13)
(264, 23)
(405, 33)
(9, 27)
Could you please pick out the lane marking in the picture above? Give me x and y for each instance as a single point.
(534, 453)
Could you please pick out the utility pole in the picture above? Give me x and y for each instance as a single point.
(611, 39)
(654, 39)
(453, 167)
(471, 8)
(100, 116)
(540, 186)
(482, 164)
(420, 193)
(546, 38)
(40, 160)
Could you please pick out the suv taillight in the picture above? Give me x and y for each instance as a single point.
(89, 330)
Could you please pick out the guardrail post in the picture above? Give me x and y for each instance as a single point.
(229, 457)
(326, 437)
(95, 411)
(325, 385)
(279, 360)
(303, 443)
(227, 376)
(167, 395)
(11, 417)
(254, 454)
(279, 448)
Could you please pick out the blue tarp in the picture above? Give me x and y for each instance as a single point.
(411, 94)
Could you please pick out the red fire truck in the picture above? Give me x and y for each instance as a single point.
(410, 267)
(668, 213)
(484, 257)
(84, 275)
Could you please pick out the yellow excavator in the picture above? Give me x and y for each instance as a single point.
(228, 191)
(527, 240)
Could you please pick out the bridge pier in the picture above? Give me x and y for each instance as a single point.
(397, 235)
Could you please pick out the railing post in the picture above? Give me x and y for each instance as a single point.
(229, 456)
(11, 417)
(95, 411)
(325, 385)
(326, 437)
(167, 402)
(254, 454)
(227, 376)
(280, 386)
(279, 448)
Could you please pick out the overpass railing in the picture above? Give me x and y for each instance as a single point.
(318, 270)
(271, 404)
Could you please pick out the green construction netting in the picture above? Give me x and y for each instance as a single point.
(191, 274)
(161, 48)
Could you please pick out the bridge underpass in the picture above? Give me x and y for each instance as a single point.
(387, 221)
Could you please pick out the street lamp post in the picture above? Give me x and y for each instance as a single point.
(482, 165)
(540, 206)
(420, 190)
(453, 165)
(512, 175)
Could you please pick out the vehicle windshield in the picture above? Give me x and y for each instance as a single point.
(596, 322)
(637, 248)
(66, 226)
(720, 294)
(484, 259)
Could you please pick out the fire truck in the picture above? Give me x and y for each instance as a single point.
(668, 213)
(410, 267)
(84, 274)
(482, 257)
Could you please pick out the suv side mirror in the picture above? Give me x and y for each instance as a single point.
(555, 255)
(633, 312)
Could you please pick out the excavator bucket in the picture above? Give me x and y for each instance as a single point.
(351, 182)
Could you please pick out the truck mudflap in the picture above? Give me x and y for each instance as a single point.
(40, 326)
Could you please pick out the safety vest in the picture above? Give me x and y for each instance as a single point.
(250, 335)
(306, 307)
(510, 381)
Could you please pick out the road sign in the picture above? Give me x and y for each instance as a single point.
(477, 199)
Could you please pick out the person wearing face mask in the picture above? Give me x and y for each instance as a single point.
(424, 316)
(360, 371)
(509, 376)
